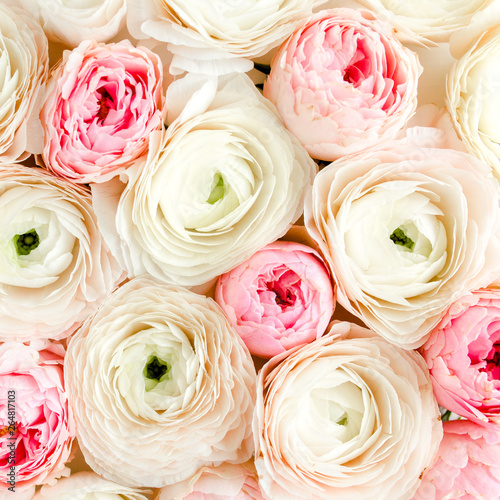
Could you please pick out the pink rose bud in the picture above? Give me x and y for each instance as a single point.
(343, 82)
(463, 354)
(279, 298)
(467, 465)
(101, 104)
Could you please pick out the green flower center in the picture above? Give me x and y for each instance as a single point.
(218, 189)
(156, 369)
(27, 242)
(399, 238)
(342, 421)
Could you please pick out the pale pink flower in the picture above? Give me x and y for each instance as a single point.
(160, 385)
(279, 298)
(36, 424)
(467, 466)
(342, 82)
(346, 417)
(463, 354)
(101, 104)
(226, 482)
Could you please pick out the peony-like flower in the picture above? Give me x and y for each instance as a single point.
(427, 21)
(24, 63)
(463, 355)
(161, 385)
(347, 417)
(54, 266)
(101, 104)
(279, 298)
(343, 82)
(407, 230)
(36, 424)
(472, 97)
(88, 486)
(466, 467)
(226, 482)
(71, 22)
(224, 180)
(216, 38)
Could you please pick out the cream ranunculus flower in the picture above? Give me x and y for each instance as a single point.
(406, 230)
(347, 417)
(216, 37)
(225, 180)
(160, 385)
(54, 266)
(71, 22)
(473, 96)
(88, 486)
(24, 63)
(427, 21)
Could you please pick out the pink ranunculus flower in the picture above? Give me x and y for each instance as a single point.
(226, 482)
(102, 102)
(279, 298)
(463, 354)
(343, 82)
(467, 466)
(36, 423)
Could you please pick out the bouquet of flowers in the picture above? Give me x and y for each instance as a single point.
(250, 249)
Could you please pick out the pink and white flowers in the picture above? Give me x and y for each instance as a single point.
(342, 82)
(101, 104)
(37, 427)
(279, 298)
(463, 354)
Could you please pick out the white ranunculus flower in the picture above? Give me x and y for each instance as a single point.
(406, 230)
(24, 63)
(473, 96)
(160, 385)
(88, 486)
(217, 37)
(54, 266)
(347, 417)
(224, 180)
(427, 21)
(72, 21)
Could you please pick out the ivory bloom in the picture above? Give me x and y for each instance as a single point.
(406, 230)
(348, 416)
(54, 266)
(24, 62)
(224, 180)
(472, 97)
(343, 82)
(88, 486)
(160, 385)
(71, 22)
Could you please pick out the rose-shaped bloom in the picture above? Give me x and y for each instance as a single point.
(88, 486)
(224, 180)
(426, 21)
(466, 467)
(463, 354)
(406, 230)
(160, 385)
(279, 298)
(214, 40)
(54, 266)
(342, 82)
(24, 66)
(72, 22)
(472, 97)
(101, 104)
(36, 425)
(226, 482)
(348, 416)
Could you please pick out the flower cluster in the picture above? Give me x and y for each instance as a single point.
(242, 257)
